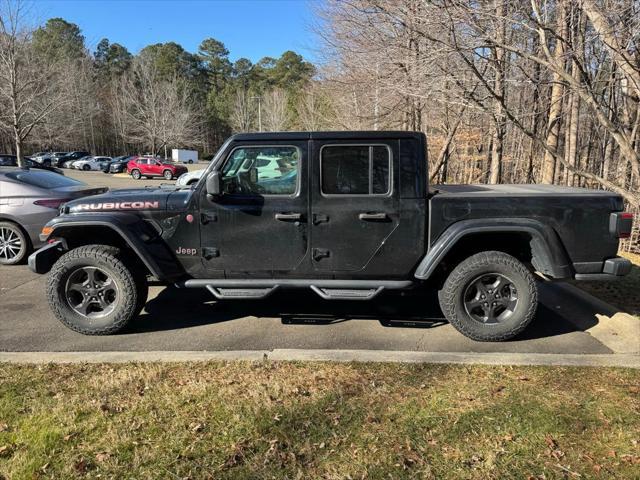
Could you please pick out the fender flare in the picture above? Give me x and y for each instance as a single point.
(139, 235)
(549, 255)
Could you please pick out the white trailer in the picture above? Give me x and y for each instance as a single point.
(184, 156)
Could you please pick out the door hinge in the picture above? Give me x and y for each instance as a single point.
(210, 252)
(320, 253)
(208, 217)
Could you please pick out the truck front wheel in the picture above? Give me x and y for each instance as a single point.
(489, 297)
(92, 291)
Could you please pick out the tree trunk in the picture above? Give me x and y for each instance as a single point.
(19, 149)
(555, 103)
(572, 143)
(495, 167)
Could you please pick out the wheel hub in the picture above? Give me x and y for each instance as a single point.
(91, 292)
(491, 298)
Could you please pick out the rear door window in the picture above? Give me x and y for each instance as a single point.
(355, 169)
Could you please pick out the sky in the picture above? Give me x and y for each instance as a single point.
(249, 28)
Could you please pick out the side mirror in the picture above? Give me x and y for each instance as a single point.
(213, 184)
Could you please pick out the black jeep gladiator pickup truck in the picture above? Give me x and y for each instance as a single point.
(346, 214)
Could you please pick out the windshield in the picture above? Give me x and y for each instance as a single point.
(43, 179)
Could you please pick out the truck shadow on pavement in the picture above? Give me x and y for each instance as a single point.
(175, 309)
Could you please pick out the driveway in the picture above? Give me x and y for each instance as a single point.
(188, 320)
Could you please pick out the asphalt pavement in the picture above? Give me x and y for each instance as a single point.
(191, 319)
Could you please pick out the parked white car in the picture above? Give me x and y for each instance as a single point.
(269, 167)
(69, 163)
(90, 163)
(42, 158)
(189, 178)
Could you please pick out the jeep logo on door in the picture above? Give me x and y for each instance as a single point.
(116, 206)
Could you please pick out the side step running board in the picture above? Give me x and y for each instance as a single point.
(328, 289)
(241, 293)
(347, 293)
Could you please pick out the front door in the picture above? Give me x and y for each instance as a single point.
(258, 226)
(354, 204)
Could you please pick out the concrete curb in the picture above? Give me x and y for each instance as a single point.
(578, 360)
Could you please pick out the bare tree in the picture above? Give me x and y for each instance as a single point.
(313, 108)
(275, 112)
(30, 87)
(159, 112)
(242, 115)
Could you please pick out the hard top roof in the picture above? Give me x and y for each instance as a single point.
(327, 135)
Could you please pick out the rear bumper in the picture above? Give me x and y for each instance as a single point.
(43, 259)
(612, 269)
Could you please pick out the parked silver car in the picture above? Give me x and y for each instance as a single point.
(29, 198)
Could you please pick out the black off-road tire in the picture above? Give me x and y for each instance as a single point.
(452, 296)
(131, 293)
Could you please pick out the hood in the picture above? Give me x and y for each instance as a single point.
(131, 199)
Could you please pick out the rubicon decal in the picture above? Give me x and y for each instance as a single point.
(117, 206)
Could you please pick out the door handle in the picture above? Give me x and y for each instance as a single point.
(288, 217)
(377, 216)
(320, 253)
(208, 217)
(319, 218)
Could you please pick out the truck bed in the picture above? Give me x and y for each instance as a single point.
(579, 216)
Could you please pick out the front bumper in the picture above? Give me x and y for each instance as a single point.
(612, 269)
(43, 259)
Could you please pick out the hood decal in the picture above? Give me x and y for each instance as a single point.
(101, 206)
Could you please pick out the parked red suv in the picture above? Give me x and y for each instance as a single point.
(154, 167)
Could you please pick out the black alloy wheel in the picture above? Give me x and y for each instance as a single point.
(91, 292)
(491, 298)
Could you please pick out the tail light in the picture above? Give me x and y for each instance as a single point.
(51, 202)
(620, 224)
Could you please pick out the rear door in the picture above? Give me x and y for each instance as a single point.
(258, 226)
(354, 203)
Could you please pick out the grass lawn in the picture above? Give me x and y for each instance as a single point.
(318, 420)
(624, 293)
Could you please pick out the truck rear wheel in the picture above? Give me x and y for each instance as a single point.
(92, 291)
(489, 297)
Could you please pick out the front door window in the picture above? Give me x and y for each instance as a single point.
(251, 171)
